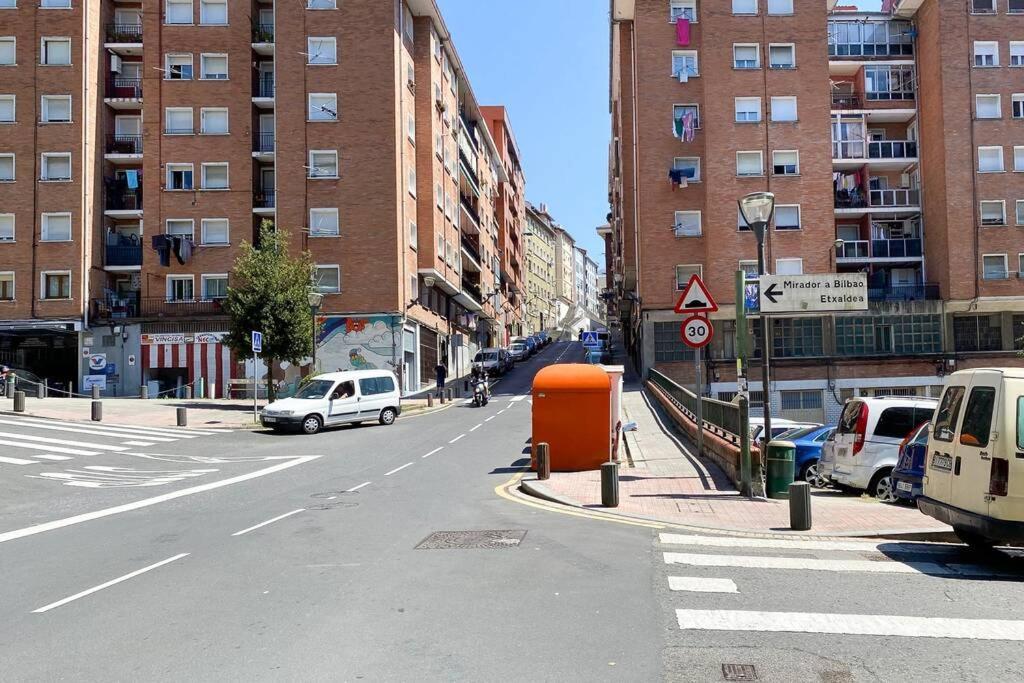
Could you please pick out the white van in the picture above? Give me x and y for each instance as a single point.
(868, 438)
(974, 471)
(337, 398)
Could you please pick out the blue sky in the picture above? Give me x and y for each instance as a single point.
(547, 62)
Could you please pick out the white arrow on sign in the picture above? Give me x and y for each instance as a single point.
(814, 293)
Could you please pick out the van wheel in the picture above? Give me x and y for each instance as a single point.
(387, 416)
(311, 424)
(974, 541)
(881, 487)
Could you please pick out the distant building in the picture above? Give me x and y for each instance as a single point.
(541, 311)
(565, 289)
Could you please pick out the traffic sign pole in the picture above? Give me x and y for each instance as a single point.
(700, 402)
(741, 379)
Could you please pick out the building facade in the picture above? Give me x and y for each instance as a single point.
(565, 279)
(540, 268)
(878, 166)
(141, 146)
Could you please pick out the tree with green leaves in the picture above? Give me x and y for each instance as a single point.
(269, 293)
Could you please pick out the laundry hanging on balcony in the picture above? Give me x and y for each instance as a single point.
(686, 127)
(163, 244)
(683, 31)
(132, 178)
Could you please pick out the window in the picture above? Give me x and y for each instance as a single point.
(7, 286)
(977, 424)
(6, 227)
(748, 109)
(1014, 7)
(320, 4)
(178, 12)
(683, 114)
(749, 269)
(801, 399)
(439, 196)
(215, 231)
(786, 162)
(179, 68)
(746, 55)
(789, 266)
(897, 422)
(213, 121)
(787, 217)
(213, 12)
(410, 126)
(990, 159)
(178, 121)
(690, 167)
(376, 385)
(977, 333)
(783, 109)
(684, 64)
(323, 164)
(782, 56)
(744, 6)
(1018, 159)
(6, 168)
(1020, 214)
(55, 52)
(182, 227)
(7, 108)
(888, 334)
(749, 164)
(327, 279)
(1018, 106)
(56, 285)
(213, 66)
(684, 273)
(1016, 53)
(56, 166)
(797, 337)
(323, 223)
(987, 106)
(414, 236)
(8, 51)
(780, 6)
(438, 146)
(948, 413)
(181, 288)
(994, 267)
(321, 50)
(411, 187)
(983, 6)
(682, 9)
(55, 109)
(56, 227)
(179, 176)
(215, 287)
(687, 224)
(323, 106)
(668, 346)
(55, 4)
(986, 53)
(215, 176)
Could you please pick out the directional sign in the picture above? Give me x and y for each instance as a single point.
(697, 332)
(814, 293)
(696, 298)
(591, 339)
(257, 342)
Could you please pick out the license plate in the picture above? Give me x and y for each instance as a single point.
(269, 419)
(942, 462)
(904, 486)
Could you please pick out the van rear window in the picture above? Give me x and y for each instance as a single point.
(949, 413)
(978, 417)
(848, 420)
(896, 422)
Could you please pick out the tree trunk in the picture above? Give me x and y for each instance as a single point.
(270, 380)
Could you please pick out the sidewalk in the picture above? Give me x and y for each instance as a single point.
(663, 480)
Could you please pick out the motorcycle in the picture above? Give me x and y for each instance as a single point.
(481, 392)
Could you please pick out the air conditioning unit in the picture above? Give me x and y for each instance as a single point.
(115, 64)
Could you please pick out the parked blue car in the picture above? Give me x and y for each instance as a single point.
(809, 441)
(906, 478)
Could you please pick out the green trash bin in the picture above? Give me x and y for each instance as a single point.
(781, 461)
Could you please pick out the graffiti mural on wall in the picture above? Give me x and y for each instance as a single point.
(356, 342)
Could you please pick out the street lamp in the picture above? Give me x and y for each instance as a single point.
(314, 298)
(837, 246)
(757, 209)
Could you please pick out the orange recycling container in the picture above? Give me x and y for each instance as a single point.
(571, 413)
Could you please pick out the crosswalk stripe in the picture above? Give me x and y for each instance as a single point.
(795, 544)
(44, 447)
(62, 442)
(52, 457)
(807, 564)
(173, 431)
(82, 428)
(16, 461)
(696, 584)
(850, 624)
(137, 443)
(517, 398)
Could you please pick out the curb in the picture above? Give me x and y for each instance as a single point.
(533, 487)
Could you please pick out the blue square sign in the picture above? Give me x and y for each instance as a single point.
(257, 342)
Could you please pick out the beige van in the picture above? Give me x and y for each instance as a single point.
(974, 473)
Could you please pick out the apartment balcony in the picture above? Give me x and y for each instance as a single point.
(854, 250)
(124, 93)
(263, 93)
(133, 305)
(124, 39)
(472, 226)
(124, 149)
(925, 291)
(123, 256)
(123, 203)
(853, 202)
(263, 39)
(861, 40)
(470, 296)
(264, 202)
(881, 250)
(892, 155)
(470, 255)
(263, 146)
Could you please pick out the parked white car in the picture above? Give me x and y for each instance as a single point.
(867, 441)
(337, 398)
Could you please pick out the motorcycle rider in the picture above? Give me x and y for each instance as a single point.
(480, 384)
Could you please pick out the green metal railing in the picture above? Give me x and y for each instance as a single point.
(720, 416)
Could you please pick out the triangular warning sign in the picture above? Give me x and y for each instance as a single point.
(696, 298)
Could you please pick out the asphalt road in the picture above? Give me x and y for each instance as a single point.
(254, 556)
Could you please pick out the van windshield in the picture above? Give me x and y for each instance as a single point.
(480, 357)
(317, 388)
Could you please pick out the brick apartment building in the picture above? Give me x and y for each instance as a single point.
(142, 143)
(541, 308)
(870, 128)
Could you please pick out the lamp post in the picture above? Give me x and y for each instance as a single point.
(314, 298)
(834, 253)
(757, 209)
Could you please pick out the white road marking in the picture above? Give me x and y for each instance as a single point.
(457, 438)
(806, 564)
(289, 461)
(52, 457)
(473, 429)
(696, 584)
(174, 431)
(857, 624)
(397, 469)
(17, 461)
(432, 452)
(44, 447)
(108, 584)
(137, 443)
(110, 430)
(356, 488)
(518, 398)
(489, 418)
(84, 429)
(502, 411)
(795, 544)
(269, 521)
(62, 442)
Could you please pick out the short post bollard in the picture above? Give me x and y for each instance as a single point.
(430, 400)
(543, 461)
(40, 391)
(449, 395)
(97, 411)
(800, 506)
(144, 391)
(610, 484)
(9, 388)
(188, 393)
(95, 392)
(442, 397)
(182, 417)
(19, 401)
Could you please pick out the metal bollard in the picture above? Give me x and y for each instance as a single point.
(800, 506)
(19, 401)
(610, 484)
(442, 398)
(97, 411)
(188, 393)
(95, 392)
(10, 388)
(430, 400)
(449, 394)
(182, 417)
(144, 391)
(40, 391)
(544, 461)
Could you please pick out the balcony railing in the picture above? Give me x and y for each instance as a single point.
(847, 101)
(123, 255)
(854, 249)
(472, 289)
(124, 33)
(124, 200)
(897, 197)
(132, 305)
(850, 199)
(927, 291)
(470, 247)
(263, 33)
(848, 149)
(468, 208)
(124, 144)
(125, 88)
(892, 149)
(263, 142)
(909, 247)
(870, 39)
(264, 199)
(264, 87)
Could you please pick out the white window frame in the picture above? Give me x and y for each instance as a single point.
(169, 287)
(205, 278)
(191, 227)
(1005, 270)
(45, 104)
(1019, 212)
(744, 264)
(4, 219)
(202, 120)
(799, 218)
(167, 13)
(991, 9)
(169, 112)
(789, 260)
(786, 151)
(13, 99)
(697, 174)
(682, 8)
(785, 98)
(989, 100)
(315, 216)
(227, 175)
(1016, 49)
(688, 55)
(14, 167)
(316, 274)
(182, 56)
(204, 75)
(411, 181)
(42, 286)
(44, 167)
(760, 161)
(1017, 99)
(12, 277)
(680, 216)
(55, 4)
(206, 242)
(170, 168)
(675, 274)
(202, 8)
(747, 100)
(313, 166)
(986, 45)
(311, 56)
(321, 4)
(44, 226)
(784, 13)
(414, 235)
(1002, 165)
(757, 56)
(330, 97)
(1018, 159)
(792, 52)
(989, 203)
(14, 49)
(743, 4)
(55, 39)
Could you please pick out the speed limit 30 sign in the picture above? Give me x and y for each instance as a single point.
(697, 332)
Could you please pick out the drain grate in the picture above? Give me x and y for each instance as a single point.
(486, 540)
(739, 672)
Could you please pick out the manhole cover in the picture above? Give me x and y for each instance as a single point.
(739, 672)
(332, 505)
(488, 539)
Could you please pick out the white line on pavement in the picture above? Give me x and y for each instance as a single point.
(52, 457)
(269, 521)
(174, 431)
(473, 429)
(802, 563)
(432, 452)
(84, 429)
(489, 418)
(17, 461)
(45, 447)
(502, 411)
(518, 398)
(356, 488)
(63, 442)
(137, 443)
(397, 469)
(787, 544)
(859, 624)
(457, 438)
(108, 584)
(696, 584)
(289, 461)
(124, 430)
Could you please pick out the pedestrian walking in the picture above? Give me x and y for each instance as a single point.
(442, 373)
